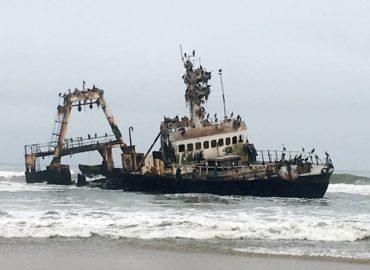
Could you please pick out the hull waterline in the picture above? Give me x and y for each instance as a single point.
(305, 186)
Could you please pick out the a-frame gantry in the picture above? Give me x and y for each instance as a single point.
(60, 146)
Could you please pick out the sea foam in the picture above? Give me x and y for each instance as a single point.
(173, 224)
(349, 188)
(10, 174)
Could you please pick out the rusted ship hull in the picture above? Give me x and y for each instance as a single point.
(305, 186)
(62, 176)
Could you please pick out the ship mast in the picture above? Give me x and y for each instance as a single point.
(197, 89)
(223, 93)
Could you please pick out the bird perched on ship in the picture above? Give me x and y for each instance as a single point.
(302, 149)
(327, 159)
(317, 159)
(284, 149)
(194, 53)
(231, 115)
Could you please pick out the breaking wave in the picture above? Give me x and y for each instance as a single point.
(10, 174)
(315, 252)
(349, 179)
(171, 224)
(349, 188)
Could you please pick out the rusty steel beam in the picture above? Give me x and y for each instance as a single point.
(110, 118)
(64, 113)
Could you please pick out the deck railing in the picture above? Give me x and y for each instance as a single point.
(261, 167)
(49, 148)
(278, 156)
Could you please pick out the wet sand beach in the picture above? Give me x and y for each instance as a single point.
(102, 253)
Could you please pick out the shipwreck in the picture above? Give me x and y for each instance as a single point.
(198, 153)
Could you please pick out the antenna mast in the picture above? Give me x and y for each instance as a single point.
(223, 94)
(182, 56)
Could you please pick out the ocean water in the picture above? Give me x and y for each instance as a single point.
(337, 225)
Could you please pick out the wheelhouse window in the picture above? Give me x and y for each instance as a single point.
(206, 144)
(228, 141)
(213, 143)
(198, 146)
(241, 138)
(190, 147)
(182, 148)
(235, 140)
(220, 142)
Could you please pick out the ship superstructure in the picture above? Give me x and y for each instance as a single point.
(195, 139)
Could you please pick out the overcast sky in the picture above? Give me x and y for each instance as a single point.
(298, 72)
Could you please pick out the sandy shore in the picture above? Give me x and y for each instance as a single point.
(101, 253)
